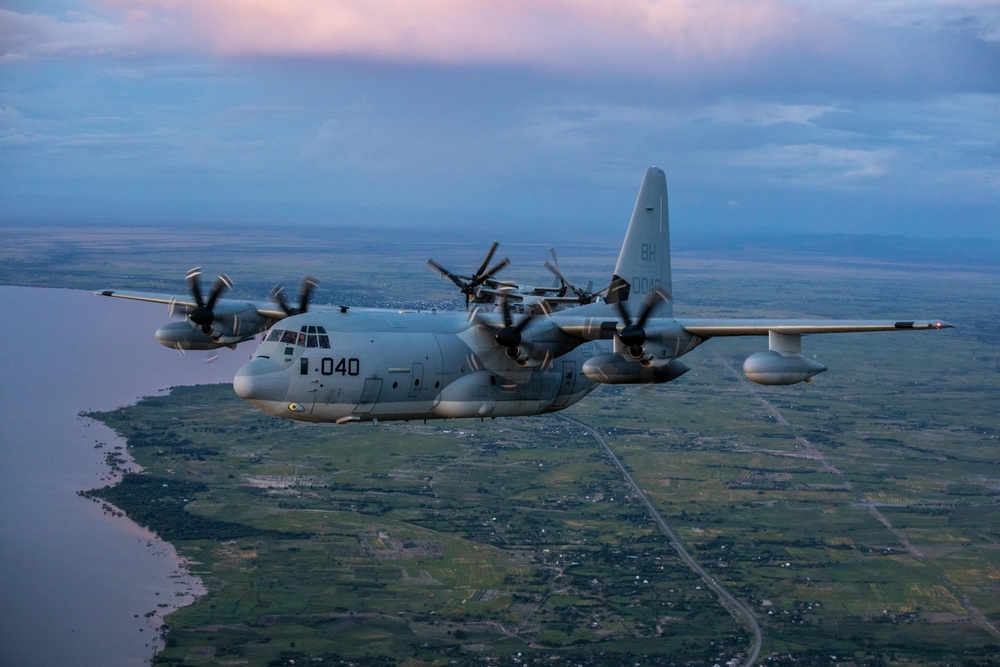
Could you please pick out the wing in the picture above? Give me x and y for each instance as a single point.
(709, 328)
(222, 323)
(185, 304)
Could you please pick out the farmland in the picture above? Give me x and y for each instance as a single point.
(856, 517)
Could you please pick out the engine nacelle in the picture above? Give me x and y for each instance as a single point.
(622, 369)
(773, 367)
(184, 336)
(188, 336)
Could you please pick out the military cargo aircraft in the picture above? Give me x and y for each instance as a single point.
(515, 350)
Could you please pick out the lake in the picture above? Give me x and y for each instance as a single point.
(77, 584)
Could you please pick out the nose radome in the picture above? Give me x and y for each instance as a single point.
(261, 380)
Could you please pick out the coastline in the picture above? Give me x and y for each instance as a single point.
(78, 586)
(182, 587)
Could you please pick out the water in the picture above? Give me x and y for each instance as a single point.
(75, 584)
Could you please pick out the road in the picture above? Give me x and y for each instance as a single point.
(739, 610)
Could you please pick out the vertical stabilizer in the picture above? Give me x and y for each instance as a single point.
(644, 262)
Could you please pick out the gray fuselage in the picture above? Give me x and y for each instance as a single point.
(361, 365)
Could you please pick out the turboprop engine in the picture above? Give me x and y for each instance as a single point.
(619, 369)
(230, 325)
(783, 363)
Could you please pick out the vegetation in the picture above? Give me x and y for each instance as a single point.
(858, 517)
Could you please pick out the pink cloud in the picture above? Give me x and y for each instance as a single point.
(646, 35)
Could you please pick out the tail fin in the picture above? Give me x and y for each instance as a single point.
(644, 262)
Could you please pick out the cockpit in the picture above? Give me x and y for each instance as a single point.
(307, 336)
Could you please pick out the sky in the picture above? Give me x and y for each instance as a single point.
(768, 116)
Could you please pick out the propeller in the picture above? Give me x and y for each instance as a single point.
(583, 296)
(632, 334)
(204, 312)
(469, 284)
(305, 291)
(509, 335)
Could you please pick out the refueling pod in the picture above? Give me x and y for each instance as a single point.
(775, 368)
(783, 363)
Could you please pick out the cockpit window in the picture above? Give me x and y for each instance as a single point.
(311, 336)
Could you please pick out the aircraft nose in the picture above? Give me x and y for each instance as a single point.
(261, 380)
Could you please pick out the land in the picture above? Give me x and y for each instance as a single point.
(858, 517)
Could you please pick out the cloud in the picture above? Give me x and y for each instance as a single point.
(768, 113)
(564, 32)
(979, 18)
(24, 36)
(814, 164)
(760, 44)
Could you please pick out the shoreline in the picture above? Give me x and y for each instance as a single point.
(77, 586)
(184, 587)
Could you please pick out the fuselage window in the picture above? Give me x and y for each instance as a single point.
(288, 337)
(324, 341)
(275, 335)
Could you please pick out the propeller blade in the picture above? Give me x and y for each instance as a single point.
(654, 299)
(509, 335)
(447, 274)
(554, 269)
(584, 296)
(478, 279)
(204, 313)
(623, 313)
(194, 284)
(486, 261)
(305, 291)
(278, 296)
(633, 334)
(222, 283)
(469, 284)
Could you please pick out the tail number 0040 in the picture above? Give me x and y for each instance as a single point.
(345, 366)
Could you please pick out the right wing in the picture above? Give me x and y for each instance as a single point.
(185, 304)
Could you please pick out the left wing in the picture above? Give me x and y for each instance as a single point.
(648, 350)
(783, 362)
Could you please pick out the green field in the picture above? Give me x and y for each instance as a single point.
(857, 517)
